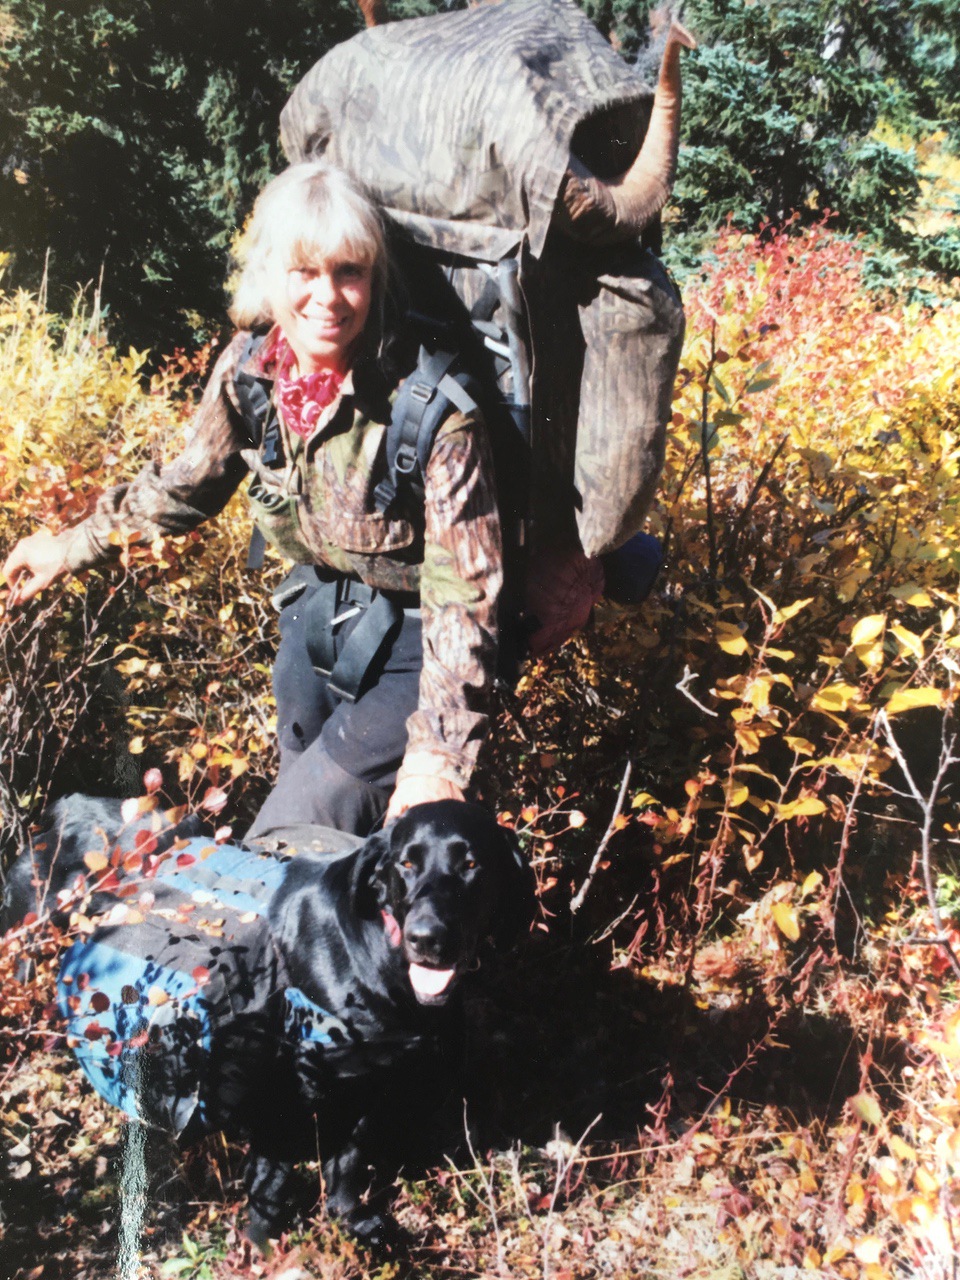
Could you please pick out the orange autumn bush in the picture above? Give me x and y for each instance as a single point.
(767, 862)
(157, 661)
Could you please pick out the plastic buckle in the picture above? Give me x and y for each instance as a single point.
(406, 459)
(421, 391)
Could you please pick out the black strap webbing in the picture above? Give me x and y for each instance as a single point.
(329, 607)
(376, 630)
(263, 426)
(424, 402)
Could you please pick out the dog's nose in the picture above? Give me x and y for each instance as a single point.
(427, 937)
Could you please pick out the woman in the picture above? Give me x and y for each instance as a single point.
(418, 583)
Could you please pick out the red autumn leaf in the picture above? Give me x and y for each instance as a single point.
(185, 860)
(214, 800)
(200, 975)
(94, 1031)
(99, 1002)
(152, 780)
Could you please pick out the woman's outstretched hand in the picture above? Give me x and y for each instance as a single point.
(32, 565)
(419, 789)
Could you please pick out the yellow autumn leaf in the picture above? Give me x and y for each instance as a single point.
(157, 996)
(908, 640)
(806, 806)
(913, 594)
(737, 794)
(813, 882)
(908, 699)
(752, 857)
(786, 920)
(867, 629)
(868, 1250)
(731, 639)
(95, 861)
(758, 692)
(791, 610)
(868, 1109)
(902, 1150)
(136, 746)
(927, 1182)
(835, 697)
(802, 746)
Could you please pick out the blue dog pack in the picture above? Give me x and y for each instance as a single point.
(173, 978)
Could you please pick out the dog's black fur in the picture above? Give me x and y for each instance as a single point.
(380, 937)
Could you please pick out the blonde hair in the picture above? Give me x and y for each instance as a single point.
(310, 214)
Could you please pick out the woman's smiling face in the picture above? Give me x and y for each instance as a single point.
(324, 311)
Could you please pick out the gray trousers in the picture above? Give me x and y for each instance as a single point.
(338, 759)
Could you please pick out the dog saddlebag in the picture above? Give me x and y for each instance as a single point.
(176, 1002)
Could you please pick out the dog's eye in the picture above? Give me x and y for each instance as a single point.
(469, 864)
(407, 864)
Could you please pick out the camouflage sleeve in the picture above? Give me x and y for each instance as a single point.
(175, 498)
(459, 588)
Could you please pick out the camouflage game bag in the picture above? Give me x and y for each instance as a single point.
(522, 164)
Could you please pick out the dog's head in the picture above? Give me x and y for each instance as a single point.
(444, 877)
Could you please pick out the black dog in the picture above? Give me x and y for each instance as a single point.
(295, 1003)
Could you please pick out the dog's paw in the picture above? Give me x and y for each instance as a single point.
(378, 1231)
(260, 1232)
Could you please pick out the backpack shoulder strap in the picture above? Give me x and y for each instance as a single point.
(425, 401)
(257, 408)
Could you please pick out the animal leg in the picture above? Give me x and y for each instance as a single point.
(272, 1196)
(348, 1179)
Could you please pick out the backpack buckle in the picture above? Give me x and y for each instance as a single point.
(422, 392)
(406, 460)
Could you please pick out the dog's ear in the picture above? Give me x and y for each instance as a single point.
(518, 900)
(367, 882)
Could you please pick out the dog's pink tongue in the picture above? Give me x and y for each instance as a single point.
(429, 982)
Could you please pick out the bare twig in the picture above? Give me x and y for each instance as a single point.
(683, 687)
(487, 1182)
(927, 803)
(581, 893)
(706, 439)
(837, 875)
(612, 926)
(730, 555)
(565, 1155)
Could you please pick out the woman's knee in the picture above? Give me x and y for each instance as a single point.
(314, 789)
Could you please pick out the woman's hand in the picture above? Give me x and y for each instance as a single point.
(420, 789)
(32, 565)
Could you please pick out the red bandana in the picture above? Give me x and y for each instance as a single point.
(302, 399)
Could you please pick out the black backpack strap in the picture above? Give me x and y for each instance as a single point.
(256, 405)
(263, 426)
(331, 604)
(426, 399)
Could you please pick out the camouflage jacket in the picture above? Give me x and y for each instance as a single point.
(449, 550)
